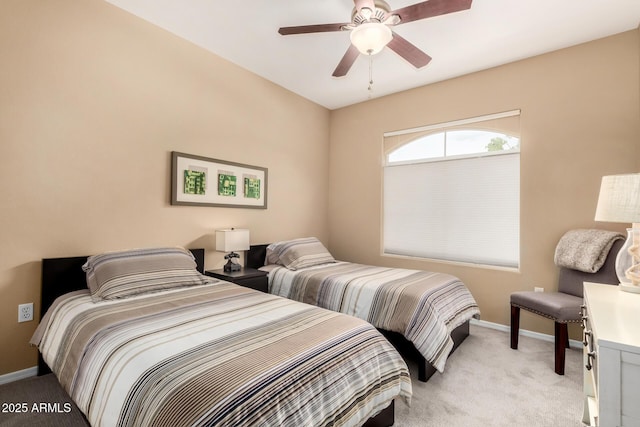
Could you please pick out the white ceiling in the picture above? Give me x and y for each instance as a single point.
(491, 33)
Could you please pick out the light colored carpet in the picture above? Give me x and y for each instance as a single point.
(486, 383)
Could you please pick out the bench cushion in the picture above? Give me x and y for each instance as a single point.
(560, 307)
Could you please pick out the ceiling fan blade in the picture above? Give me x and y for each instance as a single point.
(346, 62)
(408, 51)
(430, 8)
(305, 29)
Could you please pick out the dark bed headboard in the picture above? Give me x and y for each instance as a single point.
(64, 275)
(256, 256)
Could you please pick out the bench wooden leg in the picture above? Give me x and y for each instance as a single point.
(562, 338)
(515, 326)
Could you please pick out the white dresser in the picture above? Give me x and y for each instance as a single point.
(611, 321)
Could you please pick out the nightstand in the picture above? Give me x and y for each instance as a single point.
(247, 277)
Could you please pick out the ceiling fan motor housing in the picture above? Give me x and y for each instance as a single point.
(379, 14)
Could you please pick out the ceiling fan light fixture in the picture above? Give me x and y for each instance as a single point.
(371, 37)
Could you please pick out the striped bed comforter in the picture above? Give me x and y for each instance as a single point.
(422, 306)
(218, 354)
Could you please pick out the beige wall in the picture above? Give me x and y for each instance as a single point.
(579, 121)
(92, 102)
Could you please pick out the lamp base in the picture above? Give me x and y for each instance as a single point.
(231, 266)
(629, 287)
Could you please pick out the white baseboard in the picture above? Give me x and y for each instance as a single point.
(18, 375)
(523, 332)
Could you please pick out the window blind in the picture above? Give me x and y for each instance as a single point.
(465, 210)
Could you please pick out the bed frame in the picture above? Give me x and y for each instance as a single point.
(63, 275)
(255, 259)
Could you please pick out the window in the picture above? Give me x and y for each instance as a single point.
(454, 143)
(454, 194)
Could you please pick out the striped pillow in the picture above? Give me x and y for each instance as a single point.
(298, 253)
(121, 274)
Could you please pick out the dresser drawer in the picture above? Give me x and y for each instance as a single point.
(590, 368)
(630, 394)
(612, 352)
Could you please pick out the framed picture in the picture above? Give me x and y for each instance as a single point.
(201, 181)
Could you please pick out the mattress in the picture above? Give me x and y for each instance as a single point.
(423, 306)
(218, 354)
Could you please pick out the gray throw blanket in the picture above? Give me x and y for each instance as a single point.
(585, 250)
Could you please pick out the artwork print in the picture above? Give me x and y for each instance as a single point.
(203, 181)
(251, 187)
(226, 184)
(195, 181)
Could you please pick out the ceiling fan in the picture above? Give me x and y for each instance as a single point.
(370, 32)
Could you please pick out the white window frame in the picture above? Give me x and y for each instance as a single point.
(512, 239)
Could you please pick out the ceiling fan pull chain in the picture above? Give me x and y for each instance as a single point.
(370, 88)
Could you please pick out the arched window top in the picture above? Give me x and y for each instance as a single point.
(456, 144)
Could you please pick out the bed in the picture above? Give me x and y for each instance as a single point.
(424, 314)
(187, 355)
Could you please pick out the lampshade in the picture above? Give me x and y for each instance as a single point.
(619, 199)
(371, 37)
(232, 239)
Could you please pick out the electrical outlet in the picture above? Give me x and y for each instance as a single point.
(25, 312)
(537, 289)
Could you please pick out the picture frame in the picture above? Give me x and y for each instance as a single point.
(203, 181)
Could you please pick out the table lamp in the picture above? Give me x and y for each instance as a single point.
(619, 201)
(231, 240)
